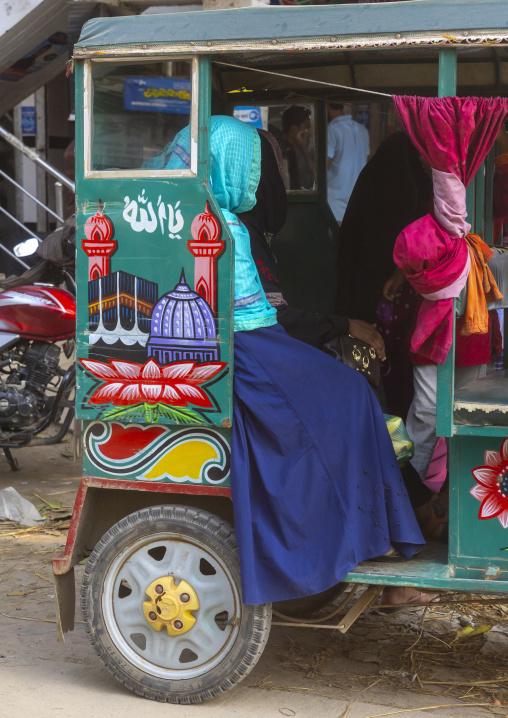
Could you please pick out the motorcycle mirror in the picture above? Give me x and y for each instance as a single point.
(26, 248)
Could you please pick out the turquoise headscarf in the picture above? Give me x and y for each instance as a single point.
(235, 168)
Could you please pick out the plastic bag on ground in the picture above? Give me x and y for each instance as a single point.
(13, 507)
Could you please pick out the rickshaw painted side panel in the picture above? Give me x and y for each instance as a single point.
(195, 456)
(154, 341)
(477, 538)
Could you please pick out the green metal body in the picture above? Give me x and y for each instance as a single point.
(153, 257)
(112, 449)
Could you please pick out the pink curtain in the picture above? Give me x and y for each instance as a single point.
(454, 135)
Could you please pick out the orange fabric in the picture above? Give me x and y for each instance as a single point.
(501, 160)
(500, 196)
(481, 287)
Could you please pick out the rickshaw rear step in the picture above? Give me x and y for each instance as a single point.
(363, 602)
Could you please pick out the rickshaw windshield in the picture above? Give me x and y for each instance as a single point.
(136, 108)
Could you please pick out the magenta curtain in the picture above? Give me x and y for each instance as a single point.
(454, 134)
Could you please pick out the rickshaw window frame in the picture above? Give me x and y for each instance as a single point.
(87, 120)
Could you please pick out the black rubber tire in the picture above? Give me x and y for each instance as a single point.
(219, 537)
(310, 607)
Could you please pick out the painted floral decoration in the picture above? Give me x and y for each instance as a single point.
(148, 391)
(492, 485)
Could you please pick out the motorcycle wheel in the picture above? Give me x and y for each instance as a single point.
(161, 605)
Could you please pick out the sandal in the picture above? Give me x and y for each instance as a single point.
(394, 555)
(391, 555)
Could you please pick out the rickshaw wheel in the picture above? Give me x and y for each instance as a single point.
(310, 606)
(161, 604)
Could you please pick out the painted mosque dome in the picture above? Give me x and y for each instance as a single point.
(182, 327)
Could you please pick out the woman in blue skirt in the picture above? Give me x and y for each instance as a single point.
(315, 482)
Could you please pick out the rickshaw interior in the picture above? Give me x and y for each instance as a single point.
(307, 248)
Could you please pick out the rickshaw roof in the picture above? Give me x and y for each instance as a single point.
(283, 23)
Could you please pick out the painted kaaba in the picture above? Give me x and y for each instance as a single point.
(120, 306)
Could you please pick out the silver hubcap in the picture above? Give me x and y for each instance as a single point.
(209, 639)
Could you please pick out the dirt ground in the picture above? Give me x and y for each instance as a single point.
(406, 663)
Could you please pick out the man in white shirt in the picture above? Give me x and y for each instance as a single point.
(348, 152)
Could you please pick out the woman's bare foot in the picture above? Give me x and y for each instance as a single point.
(392, 553)
(397, 595)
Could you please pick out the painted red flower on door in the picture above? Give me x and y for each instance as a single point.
(151, 389)
(492, 485)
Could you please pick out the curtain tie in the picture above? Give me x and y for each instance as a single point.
(450, 203)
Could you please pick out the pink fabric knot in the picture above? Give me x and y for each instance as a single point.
(450, 203)
(433, 262)
(454, 289)
(454, 135)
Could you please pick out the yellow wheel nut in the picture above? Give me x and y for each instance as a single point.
(170, 606)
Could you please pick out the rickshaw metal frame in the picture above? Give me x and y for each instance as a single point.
(319, 43)
(137, 173)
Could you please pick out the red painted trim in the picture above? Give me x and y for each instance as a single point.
(62, 562)
(156, 487)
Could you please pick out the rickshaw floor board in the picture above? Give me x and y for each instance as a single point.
(430, 569)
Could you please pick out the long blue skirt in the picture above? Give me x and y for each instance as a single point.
(315, 483)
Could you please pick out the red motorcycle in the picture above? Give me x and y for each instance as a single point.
(37, 342)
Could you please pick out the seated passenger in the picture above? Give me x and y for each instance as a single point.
(315, 481)
(263, 221)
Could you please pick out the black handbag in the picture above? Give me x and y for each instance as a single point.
(358, 355)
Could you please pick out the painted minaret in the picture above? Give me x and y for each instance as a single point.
(206, 248)
(98, 245)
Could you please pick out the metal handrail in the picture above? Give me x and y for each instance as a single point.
(31, 154)
(29, 194)
(20, 224)
(61, 181)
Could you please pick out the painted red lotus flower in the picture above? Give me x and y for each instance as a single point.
(492, 486)
(127, 384)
